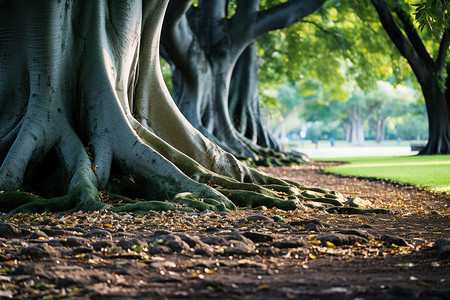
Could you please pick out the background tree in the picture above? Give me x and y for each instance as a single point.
(426, 53)
(343, 43)
(204, 42)
(342, 46)
(383, 107)
(288, 103)
(380, 104)
(244, 104)
(87, 122)
(396, 102)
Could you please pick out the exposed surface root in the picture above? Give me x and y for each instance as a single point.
(80, 144)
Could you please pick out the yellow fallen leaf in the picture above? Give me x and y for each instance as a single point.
(330, 245)
(263, 287)
(314, 243)
(312, 256)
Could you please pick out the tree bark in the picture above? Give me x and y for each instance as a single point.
(244, 105)
(221, 42)
(88, 123)
(426, 70)
(357, 132)
(348, 130)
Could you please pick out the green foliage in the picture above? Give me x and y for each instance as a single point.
(432, 14)
(167, 73)
(410, 128)
(343, 42)
(343, 48)
(265, 4)
(401, 105)
(314, 132)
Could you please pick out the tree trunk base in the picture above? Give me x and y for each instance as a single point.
(74, 123)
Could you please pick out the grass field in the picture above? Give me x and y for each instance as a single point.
(431, 172)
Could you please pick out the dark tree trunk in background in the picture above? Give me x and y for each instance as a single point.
(244, 105)
(204, 46)
(438, 121)
(426, 70)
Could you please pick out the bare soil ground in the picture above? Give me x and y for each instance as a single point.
(247, 254)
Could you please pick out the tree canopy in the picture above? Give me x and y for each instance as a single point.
(346, 42)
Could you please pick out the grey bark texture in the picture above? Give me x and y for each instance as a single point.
(204, 48)
(87, 122)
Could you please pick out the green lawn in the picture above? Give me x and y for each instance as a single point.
(431, 172)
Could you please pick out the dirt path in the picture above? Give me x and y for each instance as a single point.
(247, 254)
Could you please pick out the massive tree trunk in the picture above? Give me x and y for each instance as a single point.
(438, 120)
(205, 32)
(87, 122)
(427, 71)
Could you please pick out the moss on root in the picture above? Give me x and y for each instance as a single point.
(22, 202)
(250, 196)
(267, 157)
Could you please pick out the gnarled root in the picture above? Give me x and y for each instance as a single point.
(148, 169)
(73, 137)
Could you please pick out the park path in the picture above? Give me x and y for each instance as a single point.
(393, 164)
(327, 151)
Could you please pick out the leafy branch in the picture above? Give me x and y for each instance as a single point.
(431, 12)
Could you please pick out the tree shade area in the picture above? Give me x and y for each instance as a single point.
(87, 122)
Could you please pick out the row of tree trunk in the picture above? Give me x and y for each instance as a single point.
(215, 64)
(215, 67)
